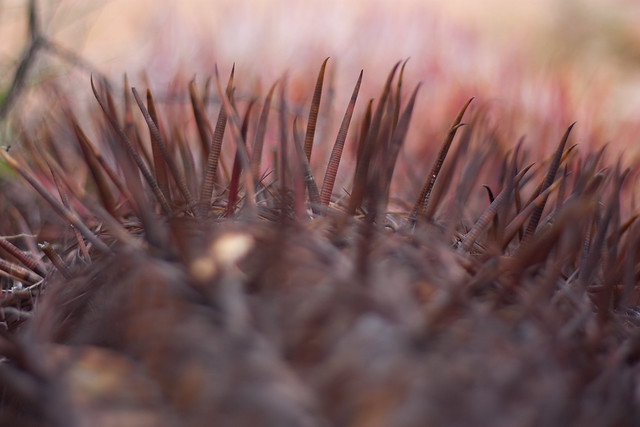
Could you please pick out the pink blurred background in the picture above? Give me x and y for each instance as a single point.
(546, 62)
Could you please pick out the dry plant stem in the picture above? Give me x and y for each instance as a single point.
(548, 180)
(159, 165)
(95, 168)
(60, 209)
(305, 168)
(338, 147)
(368, 150)
(566, 226)
(423, 199)
(168, 158)
(282, 164)
(384, 135)
(55, 260)
(397, 140)
(496, 220)
(398, 98)
(92, 153)
(236, 133)
(549, 159)
(205, 131)
(590, 262)
(298, 175)
(258, 144)
(211, 171)
(27, 260)
(313, 112)
(364, 129)
(132, 152)
(129, 126)
(516, 223)
(481, 224)
(18, 272)
(237, 167)
(187, 162)
(65, 202)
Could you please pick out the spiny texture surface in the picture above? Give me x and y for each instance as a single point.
(183, 264)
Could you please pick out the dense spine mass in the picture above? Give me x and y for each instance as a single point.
(216, 281)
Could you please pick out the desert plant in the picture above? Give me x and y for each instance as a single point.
(189, 293)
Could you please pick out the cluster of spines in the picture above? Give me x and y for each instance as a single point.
(512, 225)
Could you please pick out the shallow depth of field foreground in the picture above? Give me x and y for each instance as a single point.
(366, 249)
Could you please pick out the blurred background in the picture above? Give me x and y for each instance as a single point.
(546, 62)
